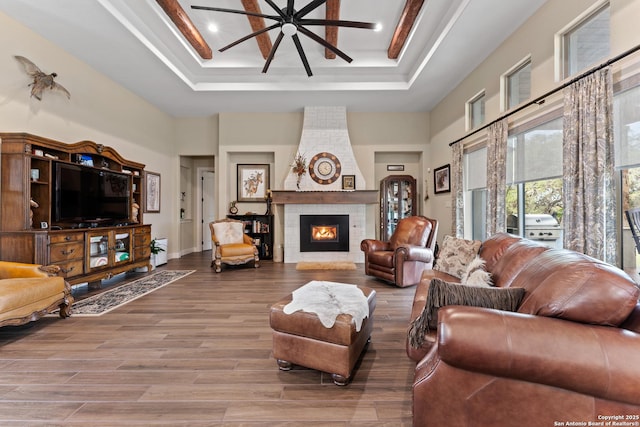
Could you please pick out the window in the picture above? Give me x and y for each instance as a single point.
(534, 183)
(516, 85)
(587, 42)
(475, 111)
(626, 115)
(475, 173)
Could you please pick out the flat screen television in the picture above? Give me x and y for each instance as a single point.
(86, 194)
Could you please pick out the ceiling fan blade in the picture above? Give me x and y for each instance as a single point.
(313, 36)
(276, 8)
(338, 23)
(273, 52)
(245, 38)
(303, 57)
(239, 12)
(309, 8)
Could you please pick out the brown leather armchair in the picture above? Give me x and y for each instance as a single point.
(231, 245)
(409, 252)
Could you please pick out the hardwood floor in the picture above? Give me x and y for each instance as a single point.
(198, 353)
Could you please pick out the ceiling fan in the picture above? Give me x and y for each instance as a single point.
(292, 22)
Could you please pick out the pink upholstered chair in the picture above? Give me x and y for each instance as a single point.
(409, 252)
(231, 245)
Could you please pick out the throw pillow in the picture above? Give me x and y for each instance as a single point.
(228, 232)
(476, 274)
(442, 293)
(455, 255)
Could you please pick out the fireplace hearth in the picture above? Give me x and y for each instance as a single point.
(324, 233)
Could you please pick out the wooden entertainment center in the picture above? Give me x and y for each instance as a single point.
(86, 250)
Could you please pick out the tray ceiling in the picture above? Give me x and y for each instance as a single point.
(137, 44)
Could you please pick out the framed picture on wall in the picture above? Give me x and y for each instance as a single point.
(253, 182)
(152, 192)
(442, 179)
(348, 182)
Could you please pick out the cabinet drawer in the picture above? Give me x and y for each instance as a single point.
(141, 253)
(140, 240)
(71, 268)
(146, 229)
(66, 237)
(63, 252)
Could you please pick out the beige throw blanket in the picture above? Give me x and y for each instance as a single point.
(329, 299)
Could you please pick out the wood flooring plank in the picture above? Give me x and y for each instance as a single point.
(198, 352)
(301, 411)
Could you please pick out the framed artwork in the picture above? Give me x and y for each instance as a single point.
(398, 168)
(253, 181)
(348, 182)
(152, 192)
(442, 179)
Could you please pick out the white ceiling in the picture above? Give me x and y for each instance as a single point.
(135, 44)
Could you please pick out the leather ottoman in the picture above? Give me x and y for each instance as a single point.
(301, 338)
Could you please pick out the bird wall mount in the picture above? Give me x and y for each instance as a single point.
(41, 81)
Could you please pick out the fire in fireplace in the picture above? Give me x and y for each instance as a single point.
(321, 233)
(324, 233)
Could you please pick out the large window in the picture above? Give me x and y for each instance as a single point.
(534, 183)
(517, 84)
(626, 114)
(475, 172)
(587, 42)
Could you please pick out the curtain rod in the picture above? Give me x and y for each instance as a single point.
(540, 100)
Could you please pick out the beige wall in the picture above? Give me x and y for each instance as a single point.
(536, 38)
(274, 139)
(99, 110)
(105, 112)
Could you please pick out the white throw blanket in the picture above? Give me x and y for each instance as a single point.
(329, 299)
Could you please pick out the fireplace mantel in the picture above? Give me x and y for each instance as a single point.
(357, 197)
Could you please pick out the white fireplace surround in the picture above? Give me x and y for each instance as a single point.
(357, 225)
(324, 130)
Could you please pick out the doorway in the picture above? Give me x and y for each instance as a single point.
(206, 190)
(196, 173)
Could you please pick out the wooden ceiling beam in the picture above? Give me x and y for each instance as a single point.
(407, 19)
(330, 32)
(179, 17)
(257, 23)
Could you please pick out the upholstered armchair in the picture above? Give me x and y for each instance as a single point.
(231, 245)
(31, 291)
(409, 252)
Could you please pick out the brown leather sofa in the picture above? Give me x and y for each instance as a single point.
(30, 291)
(570, 354)
(409, 252)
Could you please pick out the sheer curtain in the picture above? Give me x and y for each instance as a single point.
(457, 198)
(589, 193)
(496, 176)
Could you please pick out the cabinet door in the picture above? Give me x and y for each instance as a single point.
(98, 250)
(122, 247)
(397, 201)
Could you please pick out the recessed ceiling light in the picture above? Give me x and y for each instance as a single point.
(378, 27)
(213, 28)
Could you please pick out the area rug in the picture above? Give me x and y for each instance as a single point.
(304, 265)
(107, 301)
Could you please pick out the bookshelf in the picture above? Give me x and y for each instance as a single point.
(260, 228)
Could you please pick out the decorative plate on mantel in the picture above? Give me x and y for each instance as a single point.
(325, 168)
